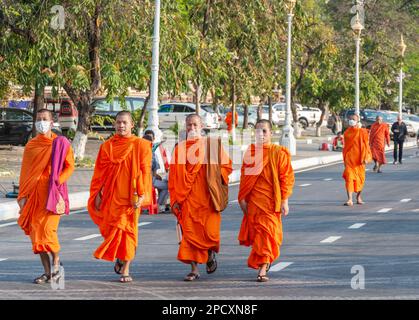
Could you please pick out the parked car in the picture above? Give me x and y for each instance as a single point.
(367, 117)
(16, 126)
(68, 116)
(413, 120)
(64, 111)
(391, 116)
(105, 112)
(306, 115)
(176, 112)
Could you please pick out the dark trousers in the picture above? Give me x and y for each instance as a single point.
(398, 145)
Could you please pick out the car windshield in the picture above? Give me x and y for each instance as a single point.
(370, 115)
(207, 108)
(413, 118)
(389, 117)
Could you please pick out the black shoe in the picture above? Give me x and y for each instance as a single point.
(400, 162)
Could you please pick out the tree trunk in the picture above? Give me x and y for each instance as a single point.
(198, 93)
(259, 111)
(38, 103)
(296, 124)
(270, 108)
(246, 116)
(140, 124)
(83, 126)
(324, 108)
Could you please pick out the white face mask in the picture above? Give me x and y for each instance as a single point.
(42, 126)
(352, 123)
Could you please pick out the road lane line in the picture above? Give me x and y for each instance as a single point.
(7, 224)
(234, 201)
(78, 211)
(88, 237)
(331, 239)
(384, 210)
(280, 266)
(143, 223)
(405, 200)
(357, 225)
(305, 185)
(96, 235)
(328, 179)
(415, 210)
(3, 259)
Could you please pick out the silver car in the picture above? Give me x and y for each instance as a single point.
(176, 112)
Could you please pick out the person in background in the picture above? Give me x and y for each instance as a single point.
(338, 142)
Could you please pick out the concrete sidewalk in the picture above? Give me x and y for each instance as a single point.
(308, 155)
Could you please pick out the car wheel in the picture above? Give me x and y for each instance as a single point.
(303, 122)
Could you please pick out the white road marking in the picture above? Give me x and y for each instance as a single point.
(3, 259)
(367, 169)
(78, 211)
(143, 223)
(280, 266)
(384, 210)
(357, 225)
(328, 179)
(88, 237)
(305, 185)
(331, 239)
(7, 224)
(92, 236)
(415, 210)
(405, 200)
(234, 201)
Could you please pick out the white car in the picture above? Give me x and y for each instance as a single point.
(306, 115)
(413, 120)
(176, 112)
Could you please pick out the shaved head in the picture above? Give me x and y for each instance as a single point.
(193, 126)
(124, 113)
(193, 116)
(45, 111)
(267, 122)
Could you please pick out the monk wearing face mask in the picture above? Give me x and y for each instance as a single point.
(47, 164)
(356, 153)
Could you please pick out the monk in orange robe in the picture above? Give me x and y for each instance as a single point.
(112, 204)
(356, 154)
(266, 183)
(191, 201)
(379, 137)
(34, 218)
(229, 120)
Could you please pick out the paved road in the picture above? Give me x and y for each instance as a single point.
(323, 241)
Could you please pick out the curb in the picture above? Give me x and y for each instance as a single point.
(10, 210)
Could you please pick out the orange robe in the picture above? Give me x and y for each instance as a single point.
(356, 153)
(119, 161)
(229, 120)
(188, 186)
(263, 191)
(35, 220)
(379, 137)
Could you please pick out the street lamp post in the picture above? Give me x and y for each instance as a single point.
(153, 117)
(288, 139)
(402, 47)
(357, 27)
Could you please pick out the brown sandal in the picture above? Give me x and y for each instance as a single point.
(263, 278)
(191, 276)
(42, 279)
(125, 279)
